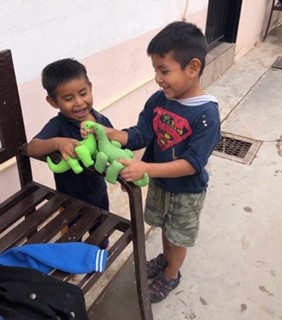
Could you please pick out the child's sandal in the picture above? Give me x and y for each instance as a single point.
(161, 287)
(155, 266)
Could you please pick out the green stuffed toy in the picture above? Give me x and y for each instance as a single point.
(108, 152)
(85, 152)
(103, 151)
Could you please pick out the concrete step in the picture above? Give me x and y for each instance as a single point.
(219, 60)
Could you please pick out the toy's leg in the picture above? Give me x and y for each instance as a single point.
(84, 155)
(113, 171)
(101, 161)
(129, 153)
(142, 182)
(74, 164)
(60, 167)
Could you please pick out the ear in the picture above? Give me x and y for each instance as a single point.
(194, 66)
(52, 102)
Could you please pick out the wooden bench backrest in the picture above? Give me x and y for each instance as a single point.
(12, 131)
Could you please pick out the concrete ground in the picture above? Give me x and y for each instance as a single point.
(235, 270)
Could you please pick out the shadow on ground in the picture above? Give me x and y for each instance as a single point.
(119, 301)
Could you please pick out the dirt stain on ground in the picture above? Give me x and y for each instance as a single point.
(244, 307)
(263, 289)
(203, 301)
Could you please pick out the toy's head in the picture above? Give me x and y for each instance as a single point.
(100, 132)
(89, 124)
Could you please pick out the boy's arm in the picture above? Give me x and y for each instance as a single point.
(41, 147)
(135, 170)
(117, 135)
(193, 159)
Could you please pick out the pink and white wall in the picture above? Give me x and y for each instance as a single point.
(110, 37)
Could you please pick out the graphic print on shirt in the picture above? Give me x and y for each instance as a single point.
(170, 128)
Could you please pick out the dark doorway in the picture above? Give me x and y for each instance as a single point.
(222, 21)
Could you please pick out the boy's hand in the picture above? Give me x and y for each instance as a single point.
(134, 170)
(66, 146)
(84, 133)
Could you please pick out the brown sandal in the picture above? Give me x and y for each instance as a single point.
(155, 266)
(161, 287)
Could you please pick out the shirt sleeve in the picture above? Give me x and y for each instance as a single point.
(205, 137)
(50, 130)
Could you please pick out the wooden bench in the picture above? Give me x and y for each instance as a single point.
(37, 213)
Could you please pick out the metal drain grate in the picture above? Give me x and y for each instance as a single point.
(277, 63)
(237, 148)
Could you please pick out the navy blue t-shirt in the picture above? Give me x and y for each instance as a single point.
(89, 188)
(178, 129)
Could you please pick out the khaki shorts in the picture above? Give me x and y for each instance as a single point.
(176, 213)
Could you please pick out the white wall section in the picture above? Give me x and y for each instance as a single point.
(40, 31)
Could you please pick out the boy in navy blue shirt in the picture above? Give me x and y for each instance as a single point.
(180, 127)
(69, 90)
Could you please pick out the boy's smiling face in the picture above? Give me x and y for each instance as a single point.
(177, 83)
(74, 99)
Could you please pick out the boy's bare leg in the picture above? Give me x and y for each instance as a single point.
(175, 257)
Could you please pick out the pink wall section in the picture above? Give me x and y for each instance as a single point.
(9, 183)
(252, 25)
(199, 18)
(115, 74)
(36, 110)
(118, 69)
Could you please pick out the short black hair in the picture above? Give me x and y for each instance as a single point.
(59, 72)
(185, 40)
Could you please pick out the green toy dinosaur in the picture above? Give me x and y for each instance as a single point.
(85, 152)
(108, 152)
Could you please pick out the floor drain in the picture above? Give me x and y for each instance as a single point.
(277, 63)
(237, 148)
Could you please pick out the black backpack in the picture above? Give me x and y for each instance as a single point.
(28, 294)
